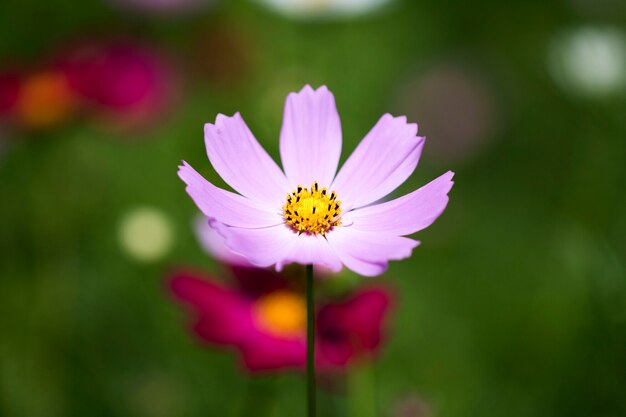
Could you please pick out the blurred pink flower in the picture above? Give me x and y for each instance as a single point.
(124, 81)
(265, 320)
(331, 220)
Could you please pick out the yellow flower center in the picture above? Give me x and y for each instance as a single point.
(282, 313)
(312, 211)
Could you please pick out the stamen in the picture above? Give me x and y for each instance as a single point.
(320, 212)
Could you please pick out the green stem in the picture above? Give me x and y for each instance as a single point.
(310, 339)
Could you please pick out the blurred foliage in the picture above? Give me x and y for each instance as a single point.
(515, 304)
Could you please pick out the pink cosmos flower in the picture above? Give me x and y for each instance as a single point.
(310, 213)
(214, 245)
(265, 320)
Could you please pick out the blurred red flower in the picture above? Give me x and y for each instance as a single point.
(265, 319)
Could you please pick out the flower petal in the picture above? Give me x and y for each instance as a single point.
(310, 139)
(407, 214)
(214, 245)
(383, 160)
(334, 352)
(224, 317)
(352, 327)
(224, 206)
(364, 315)
(278, 245)
(263, 352)
(310, 249)
(251, 280)
(243, 163)
(367, 253)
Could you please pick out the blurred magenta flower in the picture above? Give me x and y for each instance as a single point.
(264, 317)
(126, 82)
(266, 320)
(330, 220)
(36, 100)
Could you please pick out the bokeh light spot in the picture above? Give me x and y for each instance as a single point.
(589, 61)
(146, 234)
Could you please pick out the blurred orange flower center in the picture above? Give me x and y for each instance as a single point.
(282, 313)
(312, 211)
(45, 100)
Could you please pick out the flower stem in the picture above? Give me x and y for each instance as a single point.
(310, 339)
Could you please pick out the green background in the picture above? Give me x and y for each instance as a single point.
(514, 305)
